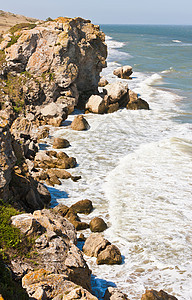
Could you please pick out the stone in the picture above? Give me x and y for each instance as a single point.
(77, 293)
(54, 180)
(43, 133)
(97, 225)
(94, 244)
(61, 209)
(123, 72)
(27, 224)
(59, 173)
(138, 104)
(113, 293)
(110, 256)
(102, 82)
(80, 123)
(116, 91)
(21, 125)
(113, 107)
(60, 143)
(132, 96)
(154, 295)
(83, 206)
(74, 219)
(96, 104)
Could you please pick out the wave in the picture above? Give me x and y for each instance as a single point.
(112, 43)
(176, 41)
(170, 70)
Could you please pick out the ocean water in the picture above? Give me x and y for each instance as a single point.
(136, 166)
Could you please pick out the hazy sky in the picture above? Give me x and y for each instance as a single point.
(107, 11)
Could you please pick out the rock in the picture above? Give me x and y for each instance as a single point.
(54, 113)
(114, 294)
(61, 209)
(80, 123)
(43, 133)
(138, 104)
(116, 91)
(7, 161)
(132, 96)
(82, 237)
(62, 60)
(96, 104)
(21, 125)
(102, 82)
(123, 72)
(54, 180)
(154, 295)
(59, 173)
(74, 219)
(94, 244)
(27, 224)
(113, 107)
(97, 225)
(53, 286)
(110, 256)
(19, 268)
(53, 222)
(42, 160)
(83, 206)
(60, 143)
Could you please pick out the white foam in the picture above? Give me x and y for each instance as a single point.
(176, 41)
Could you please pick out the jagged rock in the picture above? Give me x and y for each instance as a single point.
(83, 206)
(110, 256)
(60, 143)
(114, 294)
(54, 113)
(154, 295)
(52, 221)
(19, 268)
(54, 180)
(94, 244)
(116, 91)
(27, 224)
(123, 72)
(42, 160)
(113, 107)
(132, 96)
(102, 82)
(61, 209)
(96, 104)
(21, 125)
(7, 160)
(75, 220)
(63, 174)
(53, 286)
(44, 133)
(97, 225)
(138, 104)
(74, 54)
(80, 123)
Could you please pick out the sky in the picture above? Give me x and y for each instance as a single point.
(106, 11)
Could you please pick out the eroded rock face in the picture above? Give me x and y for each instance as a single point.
(64, 58)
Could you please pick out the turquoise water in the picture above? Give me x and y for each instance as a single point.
(156, 49)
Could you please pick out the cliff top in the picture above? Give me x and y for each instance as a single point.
(7, 20)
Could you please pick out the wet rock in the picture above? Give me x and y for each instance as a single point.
(75, 220)
(102, 82)
(80, 123)
(83, 206)
(54, 180)
(110, 256)
(94, 244)
(154, 295)
(97, 225)
(42, 160)
(96, 104)
(132, 96)
(61, 209)
(114, 294)
(123, 72)
(138, 104)
(59, 173)
(113, 107)
(60, 143)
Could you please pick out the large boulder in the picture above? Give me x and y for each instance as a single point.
(45, 160)
(116, 91)
(154, 295)
(94, 244)
(114, 294)
(60, 143)
(110, 256)
(123, 72)
(138, 104)
(80, 123)
(83, 206)
(97, 225)
(27, 224)
(96, 104)
(102, 82)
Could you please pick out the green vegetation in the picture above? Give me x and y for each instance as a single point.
(9, 289)
(19, 27)
(49, 19)
(13, 40)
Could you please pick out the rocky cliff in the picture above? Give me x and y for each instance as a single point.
(56, 61)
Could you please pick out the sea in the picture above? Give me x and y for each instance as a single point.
(136, 166)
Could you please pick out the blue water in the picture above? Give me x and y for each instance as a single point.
(156, 48)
